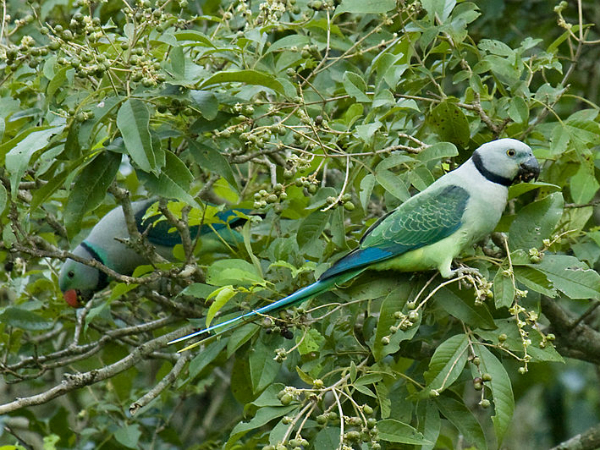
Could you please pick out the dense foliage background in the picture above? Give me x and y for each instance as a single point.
(320, 115)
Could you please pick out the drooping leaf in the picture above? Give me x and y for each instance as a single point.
(232, 271)
(133, 120)
(535, 222)
(447, 363)
(464, 421)
(461, 304)
(206, 102)
(221, 297)
(570, 276)
(21, 149)
(246, 77)
(26, 320)
(311, 228)
(90, 188)
(263, 367)
(173, 181)
(393, 302)
(450, 123)
(355, 87)
(501, 387)
(129, 435)
(364, 6)
(392, 430)
(211, 159)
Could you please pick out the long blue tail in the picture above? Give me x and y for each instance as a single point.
(299, 296)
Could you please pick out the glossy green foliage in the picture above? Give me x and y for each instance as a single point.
(319, 117)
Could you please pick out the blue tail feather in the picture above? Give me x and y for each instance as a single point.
(299, 296)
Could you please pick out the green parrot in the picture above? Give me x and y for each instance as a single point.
(80, 282)
(428, 230)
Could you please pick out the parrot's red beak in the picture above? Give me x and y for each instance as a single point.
(72, 298)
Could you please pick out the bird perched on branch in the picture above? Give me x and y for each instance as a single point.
(428, 230)
(106, 244)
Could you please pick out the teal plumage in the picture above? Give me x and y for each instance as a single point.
(105, 244)
(427, 231)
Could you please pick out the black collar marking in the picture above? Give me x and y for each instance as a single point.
(494, 178)
(102, 276)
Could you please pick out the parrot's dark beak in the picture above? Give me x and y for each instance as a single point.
(529, 170)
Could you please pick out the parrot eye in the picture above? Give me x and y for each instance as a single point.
(70, 274)
(511, 152)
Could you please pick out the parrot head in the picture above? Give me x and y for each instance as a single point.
(79, 282)
(508, 160)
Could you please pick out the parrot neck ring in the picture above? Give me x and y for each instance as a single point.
(102, 276)
(490, 176)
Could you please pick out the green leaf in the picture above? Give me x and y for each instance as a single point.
(439, 9)
(21, 151)
(393, 184)
(504, 290)
(129, 435)
(495, 48)
(133, 120)
(514, 341)
(232, 271)
(194, 36)
(311, 228)
(391, 430)
(439, 150)
(430, 423)
(173, 181)
(518, 110)
(521, 188)
(328, 438)
(206, 102)
(570, 276)
(392, 303)
(245, 77)
(222, 296)
(26, 320)
(269, 396)
(262, 417)
(461, 304)
(205, 357)
(450, 123)
(355, 86)
(535, 222)
(263, 367)
(3, 197)
(447, 363)
(383, 397)
(293, 40)
(310, 342)
(90, 188)
(584, 184)
(364, 7)
(366, 189)
(534, 279)
(211, 159)
(501, 387)
(464, 421)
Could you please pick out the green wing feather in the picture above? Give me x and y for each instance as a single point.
(415, 224)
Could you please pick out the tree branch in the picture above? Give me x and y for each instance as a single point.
(588, 440)
(574, 339)
(76, 381)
